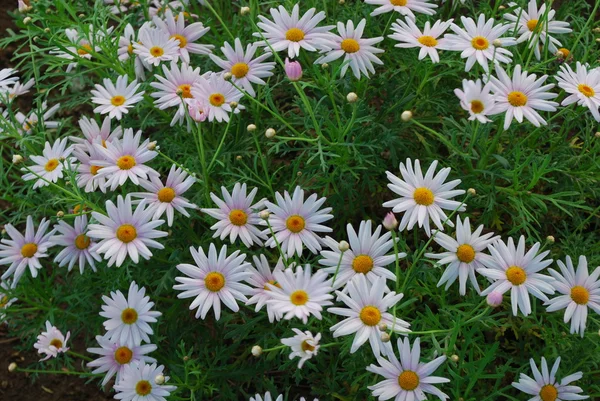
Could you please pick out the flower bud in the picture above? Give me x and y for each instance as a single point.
(383, 327)
(341, 2)
(454, 358)
(390, 222)
(233, 105)
(270, 133)
(497, 43)
(385, 337)
(186, 358)
(471, 191)
(160, 379)
(550, 239)
(238, 157)
(343, 246)
(227, 76)
(151, 145)
(597, 134)
(26, 20)
(264, 215)
(245, 10)
(293, 70)
(81, 15)
(324, 66)
(501, 7)
(16, 159)
(196, 110)
(256, 350)
(494, 299)
(251, 128)
(24, 6)
(351, 97)
(60, 214)
(47, 30)
(12, 367)
(406, 115)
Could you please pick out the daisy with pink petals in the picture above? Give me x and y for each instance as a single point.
(51, 342)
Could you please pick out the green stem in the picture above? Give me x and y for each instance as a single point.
(283, 258)
(337, 269)
(203, 164)
(216, 14)
(214, 159)
(80, 356)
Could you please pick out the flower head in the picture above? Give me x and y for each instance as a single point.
(583, 87)
(303, 345)
(51, 342)
(116, 100)
(217, 95)
(77, 245)
(156, 45)
(50, 165)
(477, 100)
(545, 387)
(174, 27)
(406, 8)
(428, 40)
(138, 382)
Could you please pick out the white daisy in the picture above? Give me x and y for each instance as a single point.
(579, 290)
(513, 269)
(33, 120)
(407, 378)
(138, 383)
(155, 45)
(128, 318)
(404, 7)
(545, 387)
(238, 215)
(87, 176)
(5, 77)
(51, 342)
(423, 197)
(116, 100)
(300, 294)
(521, 95)
(124, 159)
(176, 29)
(124, 232)
(83, 44)
(428, 40)
(477, 100)
(266, 397)
(583, 87)
(77, 245)
(303, 345)
(292, 32)
(261, 274)
(244, 68)
(476, 42)
(366, 309)
(49, 167)
(214, 279)
(296, 222)
(217, 95)
(464, 255)
(367, 255)
(533, 29)
(9, 93)
(22, 251)
(95, 133)
(359, 54)
(114, 356)
(5, 299)
(125, 51)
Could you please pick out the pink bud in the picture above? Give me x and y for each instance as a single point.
(24, 5)
(293, 69)
(390, 222)
(494, 299)
(196, 110)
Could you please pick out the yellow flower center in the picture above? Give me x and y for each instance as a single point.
(56, 343)
(186, 91)
(126, 162)
(239, 70)
(182, 40)
(428, 41)
(423, 196)
(565, 52)
(399, 3)
(156, 51)
(350, 46)
(272, 282)
(28, 250)
(480, 43)
(82, 241)
(306, 346)
(517, 99)
(465, 253)
(477, 106)
(51, 165)
(130, 48)
(84, 49)
(216, 99)
(3, 301)
(238, 217)
(123, 355)
(78, 208)
(166, 194)
(516, 275)
(214, 281)
(580, 295)
(299, 297)
(295, 223)
(294, 35)
(94, 169)
(129, 316)
(143, 387)
(126, 233)
(587, 90)
(548, 393)
(370, 315)
(408, 380)
(362, 264)
(532, 24)
(117, 100)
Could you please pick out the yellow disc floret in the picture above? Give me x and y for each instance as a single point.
(516, 275)
(423, 196)
(370, 315)
(214, 281)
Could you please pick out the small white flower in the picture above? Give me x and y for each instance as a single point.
(155, 45)
(82, 45)
(116, 100)
(51, 342)
(94, 133)
(266, 397)
(5, 77)
(261, 274)
(49, 166)
(404, 7)
(138, 383)
(5, 299)
(125, 51)
(428, 40)
(175, 28)
(303, 345)
(87, 176)
(29, 123)
(477, 100)
(217, 95)
(583, 87)
(77, 245)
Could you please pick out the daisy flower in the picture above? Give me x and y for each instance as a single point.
(407, 378)
(536, 32)
(521, 95)
(261, 274)
(423, 197)
(238, 215)
(175, 28)
(300, 294)
(125, 51)
(296, 222)
(138, 383)
(476, 42)
(464, 255)
(82, 45)
(359, 54)
(196, 108)
(579, 290)
(545, 387)
(583, 87)
(367, 308)
(114, 356)
(124, 232)
(77, 245)
(21, 251)
(51, 342)
(303, 345)
(404, 7)
(116, 100)
(5, 299)
(214, 279)
(367, 255)
(36, 118)
(428, 40)
(513, 269)
(217, 94)
(49, 167)
(293, 32)
(155, 45)
(124, 159)
(244, 68)
(93, 132)
(5, 77)
(477, 100)
(266, 397)
(87, 176)
(9, 93)
(128, 318)
(174, 88)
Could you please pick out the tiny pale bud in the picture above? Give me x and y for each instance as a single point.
(351, 97)
(293, 70)
(233, 105)
(390, 222)
(160, 379)
(227, 76)
(264, 215)
(47, 30)
(270, 133)
(81, 15)
(26, 20)
(245, 10)
(497, 43)
(238, 157)
(471, 191)
(324, 66)
(342, 2)
(179, 92)
(256, 350)
(596, 30)
(494, 299)
(550, 239)
(251, 127)
(16, 159)
(60, 214)
(383, 327)
(186, 358)
(501, 7)
(299, 173)
(406, 115)
(151, 145)
(454, 358)
(12, 367)
(385, 337)
(343, 246)
(597, 134)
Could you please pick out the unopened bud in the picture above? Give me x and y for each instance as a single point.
(324, 66)
(151, 145)
(238, 157)
(256, 350)
(596, 30)
(501, 7)
(494, 299)
(597, 134)
(270, 133)
(82, 15)
(550, 239)
(342, 2)
(383, 327)
(497, 43)
(351, 97)
(406, 115)
(233, 105)
(471, 191)
(385, 337)
(245, 10)
(454, 358)
(26, 20)
(47, 30)
(227, 76)
(16, 159)
(390, 222)
(264, 215)
(186, 358)
(12, 367)
(160, 379)
(60, 214)
(343, 246)
(251, 127)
